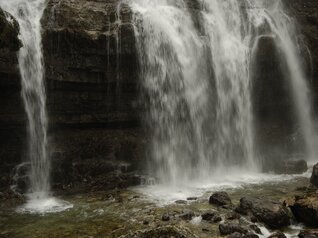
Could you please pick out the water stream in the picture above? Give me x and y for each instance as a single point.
(29, 14)
(197, 81)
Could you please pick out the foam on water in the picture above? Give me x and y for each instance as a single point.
(165, 195)
(39, 204)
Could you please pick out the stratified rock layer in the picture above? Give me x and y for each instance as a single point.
(92, 89)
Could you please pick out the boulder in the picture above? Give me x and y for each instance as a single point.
(232, 216)
(256, 229)
(305, 210)
(220, 199)
(187, 215)
(277, 235)
(235, 235)
(250, 235)
(271, 213)
(230, 228)
(314, 176)
(208, 215)
(308, 234)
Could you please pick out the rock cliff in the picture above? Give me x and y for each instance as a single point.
(92, 88)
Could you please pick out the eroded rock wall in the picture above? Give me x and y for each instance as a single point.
(93, 91)
(12, 132)
(91, 75)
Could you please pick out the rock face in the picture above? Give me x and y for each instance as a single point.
(287, 167)
(271, 213)
(11, 108)
(91, 74)
(305, 210)
(92, 89)
(9, 30)
(314, 176)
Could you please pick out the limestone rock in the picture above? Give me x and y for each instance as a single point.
(220, 199)
(271, 213)
(314, 176)
(305, 210)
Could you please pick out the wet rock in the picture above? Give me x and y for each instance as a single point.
(308, 234)
(192, 198)
(187, 215)
(217, 219)
(9, 31)
(250, 235)
(271, 213)
(165, 217)
(290, 167)
(220, 199)
(181, 202)
(256, 229)
(314, 176)
(253, 219)
(232, 216)
(208, 215)
(145, 222)
(305, 210)
(235, 235)
(230, 228)
(162, 232)
(277, 235)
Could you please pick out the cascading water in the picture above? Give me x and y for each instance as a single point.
(28, 14)
(197, 82)
(176, 82)
(284, 35)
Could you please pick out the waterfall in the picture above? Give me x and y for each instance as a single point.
(285, 37)
(28, 14)
(196, 72)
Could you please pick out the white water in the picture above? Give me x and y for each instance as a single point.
(285, 36)
(28, 13)
(197, 84)
(164, 195)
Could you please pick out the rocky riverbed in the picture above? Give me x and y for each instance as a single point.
(247, 210)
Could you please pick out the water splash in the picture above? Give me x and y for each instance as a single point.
(197, 82)
(29, 14)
